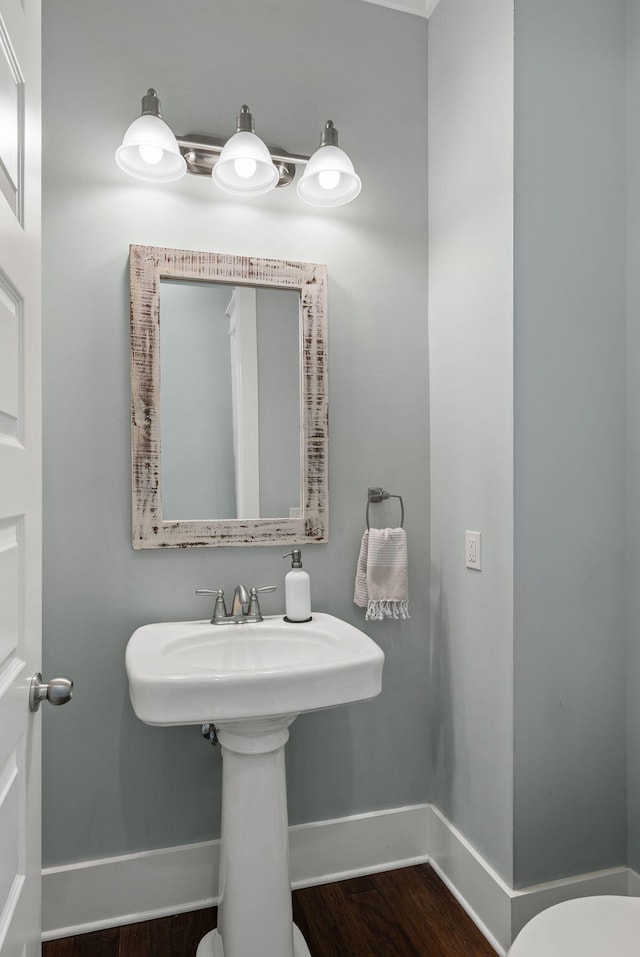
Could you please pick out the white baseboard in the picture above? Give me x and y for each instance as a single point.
(499, 911)
(479, 888)
(328, 851)
(92, 895)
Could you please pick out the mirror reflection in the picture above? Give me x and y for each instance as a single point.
(230, 401)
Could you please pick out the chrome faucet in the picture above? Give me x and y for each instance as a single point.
(244, 609)
(240, 604)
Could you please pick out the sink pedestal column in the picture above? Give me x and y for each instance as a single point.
(254, 913)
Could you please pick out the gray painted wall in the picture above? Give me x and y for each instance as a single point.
(633, 359)
(570, 438)
(559, 651)
(470, 343)
(112, 784)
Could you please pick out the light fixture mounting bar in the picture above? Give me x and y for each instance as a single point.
(201, 151)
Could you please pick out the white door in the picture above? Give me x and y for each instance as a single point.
(20, 476)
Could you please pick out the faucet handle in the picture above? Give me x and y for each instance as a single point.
(219, 609)
(254, 604)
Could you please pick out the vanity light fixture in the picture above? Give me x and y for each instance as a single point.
(242, 165)
(149, 149)
(329, 178)
(245, 166)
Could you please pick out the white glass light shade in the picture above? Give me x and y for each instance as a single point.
(329, 178)
(149, 151)
(245, 167)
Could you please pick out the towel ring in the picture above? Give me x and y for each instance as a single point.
(377, 495)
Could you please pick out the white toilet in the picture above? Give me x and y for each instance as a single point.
(587, 927)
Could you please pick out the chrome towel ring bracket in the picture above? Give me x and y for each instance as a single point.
(376, 495)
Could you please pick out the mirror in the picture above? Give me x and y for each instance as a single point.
(229, 399)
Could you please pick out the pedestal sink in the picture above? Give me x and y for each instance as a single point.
(251, 681)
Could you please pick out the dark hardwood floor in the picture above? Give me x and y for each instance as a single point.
(403, 913)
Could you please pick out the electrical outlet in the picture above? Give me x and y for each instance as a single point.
(473, 550)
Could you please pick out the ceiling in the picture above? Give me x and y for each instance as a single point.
(421, 8)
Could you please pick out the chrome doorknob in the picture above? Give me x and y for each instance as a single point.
(57, 691)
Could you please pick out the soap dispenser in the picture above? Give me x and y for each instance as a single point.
(297, 590)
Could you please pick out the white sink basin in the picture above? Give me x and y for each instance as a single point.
(251, 680)
(186, 672)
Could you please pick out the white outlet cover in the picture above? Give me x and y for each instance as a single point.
(473, 550)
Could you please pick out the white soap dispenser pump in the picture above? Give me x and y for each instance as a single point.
(297, 590)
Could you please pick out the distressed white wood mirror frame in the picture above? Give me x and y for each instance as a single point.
(150, 264)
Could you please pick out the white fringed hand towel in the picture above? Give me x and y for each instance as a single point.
(381, 574)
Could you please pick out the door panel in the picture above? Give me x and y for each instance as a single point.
(20, 476)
